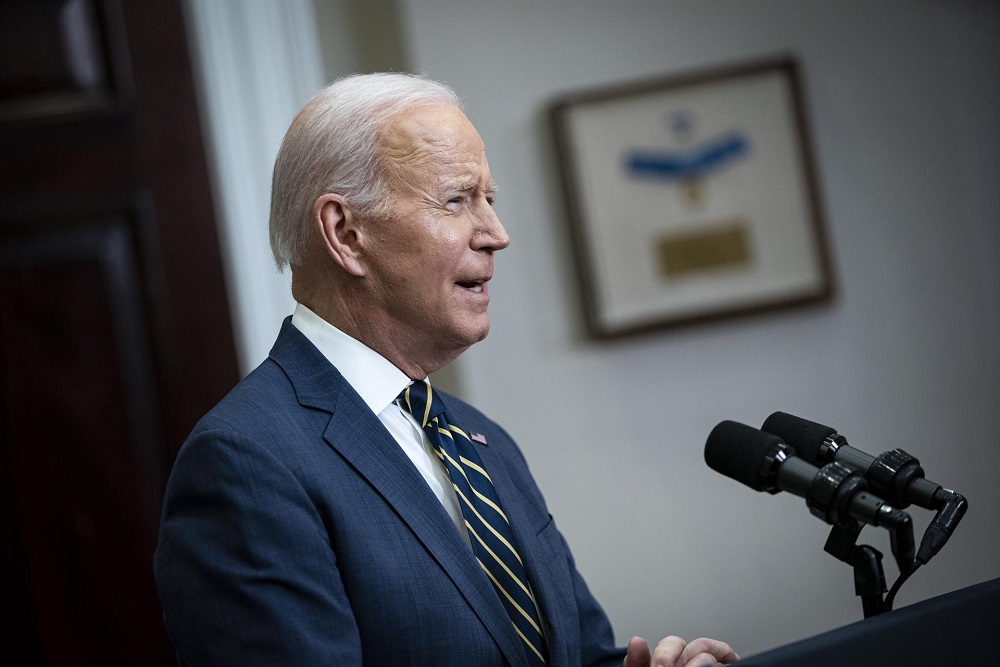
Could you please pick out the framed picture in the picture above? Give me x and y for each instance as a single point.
(692, 198)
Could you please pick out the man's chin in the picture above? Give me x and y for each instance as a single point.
(484, 330)
(472, 334)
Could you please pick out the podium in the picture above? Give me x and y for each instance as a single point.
(961, 627)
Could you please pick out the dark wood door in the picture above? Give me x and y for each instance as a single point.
(114, 329)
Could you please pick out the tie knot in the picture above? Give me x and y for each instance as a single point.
(421, 401)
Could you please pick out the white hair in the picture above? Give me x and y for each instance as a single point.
(333, 145)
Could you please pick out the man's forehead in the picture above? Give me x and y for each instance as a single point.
(431, 127)
(440, 142)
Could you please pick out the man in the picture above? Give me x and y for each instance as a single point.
(320, 514)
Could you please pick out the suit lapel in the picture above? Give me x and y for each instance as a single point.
(357, 434)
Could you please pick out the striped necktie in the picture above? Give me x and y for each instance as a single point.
(489, 530)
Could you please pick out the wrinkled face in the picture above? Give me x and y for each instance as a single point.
(430, 264)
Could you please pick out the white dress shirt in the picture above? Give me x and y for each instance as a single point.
(379, 382)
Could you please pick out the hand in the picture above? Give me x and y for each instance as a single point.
(675, 652)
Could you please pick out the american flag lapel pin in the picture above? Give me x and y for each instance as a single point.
(477, 437)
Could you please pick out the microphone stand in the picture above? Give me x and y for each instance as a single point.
(869, 575)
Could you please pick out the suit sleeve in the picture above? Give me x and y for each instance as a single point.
(597, 647)
(244, 567)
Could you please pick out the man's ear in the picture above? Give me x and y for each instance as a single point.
(340, 232)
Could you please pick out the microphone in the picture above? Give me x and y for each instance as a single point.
(764, 462)
(895, 475)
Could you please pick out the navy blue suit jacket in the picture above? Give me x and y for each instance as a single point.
(295, 531)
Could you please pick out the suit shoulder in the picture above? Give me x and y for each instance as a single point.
(254, 403)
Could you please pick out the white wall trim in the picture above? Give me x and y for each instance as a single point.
(256, 63)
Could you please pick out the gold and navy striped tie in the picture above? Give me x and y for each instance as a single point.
(489, 530)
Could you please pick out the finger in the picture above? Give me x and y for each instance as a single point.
(668, 651)
(712, 648)
(638, 653)
(700, 660)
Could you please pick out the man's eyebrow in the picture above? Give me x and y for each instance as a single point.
(468, 187)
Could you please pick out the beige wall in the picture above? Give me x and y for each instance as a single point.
(903, 100)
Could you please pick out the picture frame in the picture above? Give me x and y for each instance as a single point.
(692, 197)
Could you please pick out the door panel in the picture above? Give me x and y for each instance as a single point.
(114, 328)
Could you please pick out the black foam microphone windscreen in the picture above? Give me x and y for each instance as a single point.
(739, 451)
(805, 436)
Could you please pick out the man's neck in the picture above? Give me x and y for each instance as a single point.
(380, 333)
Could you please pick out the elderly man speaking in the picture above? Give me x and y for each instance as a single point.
(334, 508)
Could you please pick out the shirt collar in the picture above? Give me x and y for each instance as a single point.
(374, 377)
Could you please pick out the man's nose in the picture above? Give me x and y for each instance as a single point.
(490, 234)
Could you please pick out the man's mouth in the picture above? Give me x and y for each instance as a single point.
(474, 285)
